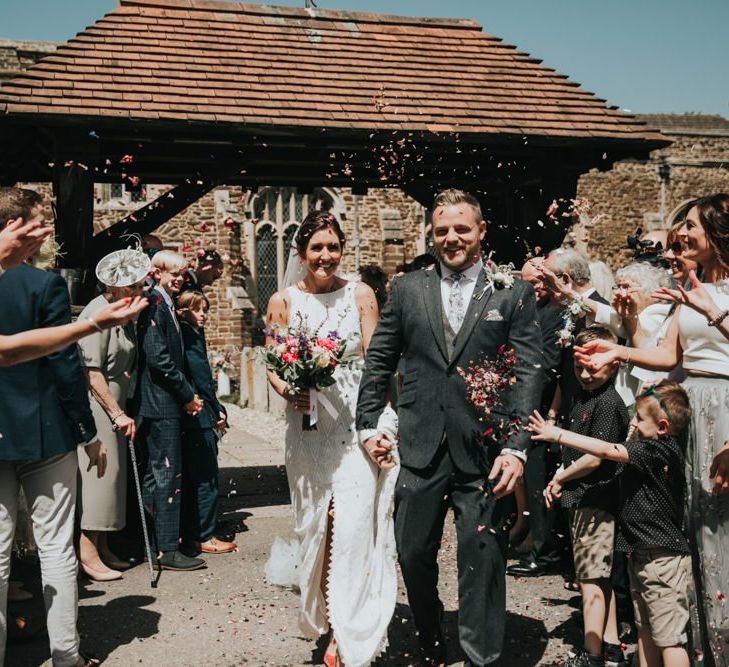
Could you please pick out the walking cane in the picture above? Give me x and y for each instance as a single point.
(147, 547)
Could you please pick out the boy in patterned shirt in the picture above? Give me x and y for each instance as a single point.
(652, 488)
(588, 490)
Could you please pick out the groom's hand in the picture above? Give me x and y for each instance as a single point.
(511, 470)
(379, 449)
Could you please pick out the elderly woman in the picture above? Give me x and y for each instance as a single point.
(110, 359)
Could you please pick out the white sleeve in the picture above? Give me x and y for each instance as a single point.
(606, 316)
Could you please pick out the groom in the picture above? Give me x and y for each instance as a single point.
(438, 321)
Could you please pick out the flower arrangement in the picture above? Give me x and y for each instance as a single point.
(485, 382)
(304, 358)
(500, 276)
(575, 310)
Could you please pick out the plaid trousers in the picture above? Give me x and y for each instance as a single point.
(162, 481)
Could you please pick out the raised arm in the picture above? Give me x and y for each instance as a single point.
(545, 431)
(663, 357)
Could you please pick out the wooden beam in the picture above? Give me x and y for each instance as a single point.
(150, 217)
(73, 187)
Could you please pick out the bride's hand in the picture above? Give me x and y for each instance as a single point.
(379, 449)
(298, 398)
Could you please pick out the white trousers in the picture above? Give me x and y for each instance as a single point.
(50, 489)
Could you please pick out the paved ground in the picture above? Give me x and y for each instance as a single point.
(228, 615)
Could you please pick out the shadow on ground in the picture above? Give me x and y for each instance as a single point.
(102, 627)
(253, 486)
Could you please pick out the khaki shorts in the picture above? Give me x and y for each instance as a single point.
(659, 586)
(593, 542)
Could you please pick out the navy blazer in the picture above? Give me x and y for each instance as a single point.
(201, 376)
(162, 387)
(44, 404)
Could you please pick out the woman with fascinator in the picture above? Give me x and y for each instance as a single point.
(109, 357)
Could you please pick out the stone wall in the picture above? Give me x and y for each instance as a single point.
(629, 195)
(217, 220)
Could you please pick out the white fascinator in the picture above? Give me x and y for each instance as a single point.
(122, 268)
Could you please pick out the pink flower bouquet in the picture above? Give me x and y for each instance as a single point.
(303, 358)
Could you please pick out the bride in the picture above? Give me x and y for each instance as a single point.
(343, 557)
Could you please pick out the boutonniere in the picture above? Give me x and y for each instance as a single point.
(480, 294)
(500, 276)
(575, 310)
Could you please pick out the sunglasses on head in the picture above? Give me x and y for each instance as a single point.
(652, 391)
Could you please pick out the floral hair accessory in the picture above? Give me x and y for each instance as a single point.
(122, 268)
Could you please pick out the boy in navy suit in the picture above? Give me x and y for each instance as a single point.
(200, 434)
(163, 392)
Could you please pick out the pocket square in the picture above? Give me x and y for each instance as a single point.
(494, 316)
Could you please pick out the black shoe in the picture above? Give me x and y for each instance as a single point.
(582, 659)
(178, 562)
(614, 656)
(528, 568)
(435, 655)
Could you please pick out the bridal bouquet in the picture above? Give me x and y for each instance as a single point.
(485, 382)
(304, 359)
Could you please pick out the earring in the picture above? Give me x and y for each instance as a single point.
(301, 262)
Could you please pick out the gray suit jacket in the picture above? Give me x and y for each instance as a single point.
(433, 398)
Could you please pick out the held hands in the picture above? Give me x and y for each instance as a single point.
(719, 471)
(20, 240)
(697, 298)
(379, 449)
(120, 312)
(543, 430)
(511, 469)
(194, 406)
(96, 451)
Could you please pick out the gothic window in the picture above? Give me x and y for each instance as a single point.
(276, 214)
(266, 266)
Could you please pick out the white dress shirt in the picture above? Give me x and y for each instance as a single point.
(468, 282)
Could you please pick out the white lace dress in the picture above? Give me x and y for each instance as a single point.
(328, 469)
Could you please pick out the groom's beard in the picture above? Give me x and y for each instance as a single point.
(461, 263)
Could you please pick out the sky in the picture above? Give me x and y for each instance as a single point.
(646, 56)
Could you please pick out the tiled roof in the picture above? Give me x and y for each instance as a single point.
(222, 62)
(687, 123)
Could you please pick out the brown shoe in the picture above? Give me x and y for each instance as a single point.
(216, 546)
(23, 628)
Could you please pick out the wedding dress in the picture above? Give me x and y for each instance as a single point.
(329, 473)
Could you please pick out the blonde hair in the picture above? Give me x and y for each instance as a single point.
(167, 260)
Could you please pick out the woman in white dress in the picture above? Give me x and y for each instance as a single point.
(698, 335)
(343, 557)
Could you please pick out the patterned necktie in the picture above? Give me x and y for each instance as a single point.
(456, 309)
